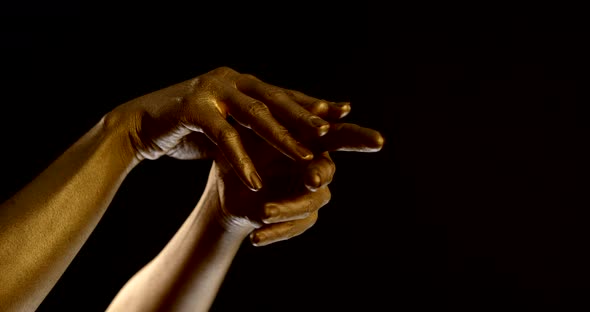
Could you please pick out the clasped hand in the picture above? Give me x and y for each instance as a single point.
(270, 145)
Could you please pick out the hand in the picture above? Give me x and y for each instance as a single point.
(189, 120)
(294, 190)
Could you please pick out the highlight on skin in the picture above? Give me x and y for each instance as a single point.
(269, 178)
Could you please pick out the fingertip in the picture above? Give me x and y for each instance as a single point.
(254, 181)
(323, 130)
(344, 108)
(379, 141)
(249, 177)
(303, 152)
(307, 157)
(258, 239)
(320, 125)
(317, 121)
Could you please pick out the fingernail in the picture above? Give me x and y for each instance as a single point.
(318, 122)
(321, 125)
(255, 181)
(303, 152)
(256, 238)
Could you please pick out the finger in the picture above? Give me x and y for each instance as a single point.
(325, 109)
(254, 114)
(273, 233)
(296, 208)
(352, 138)
(321, 108)
(294, 116)
(227, 139)
(319, 172)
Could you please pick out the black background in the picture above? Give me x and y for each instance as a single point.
(470, 205)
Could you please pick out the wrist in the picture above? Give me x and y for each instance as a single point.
(116, 126)
(237, 228)
(214, 199)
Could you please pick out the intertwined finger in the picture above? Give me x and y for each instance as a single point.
(294, 208)
(290, 113)
(254, 114)
(319, 172)
(326, 109)
(227, 138)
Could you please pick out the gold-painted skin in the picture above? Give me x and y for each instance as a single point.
(270, 175)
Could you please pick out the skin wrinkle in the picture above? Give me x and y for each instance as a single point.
(47, 222)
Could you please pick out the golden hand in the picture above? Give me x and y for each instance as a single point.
(189, 120)
(294, 190)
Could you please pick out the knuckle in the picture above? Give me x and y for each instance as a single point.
(183, 103)
(223, 71)
(275, 93)
(302, 115)
(290, 93)
(321, 104)
(202, 82)
(229, 135)
(319, 107)
(283, 135)
(112, 119)
(257, 108)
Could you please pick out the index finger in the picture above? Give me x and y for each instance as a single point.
(254, 114)
(227, 138)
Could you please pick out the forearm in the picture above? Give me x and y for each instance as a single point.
(188, 272)
(44, 225)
